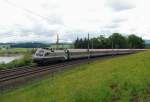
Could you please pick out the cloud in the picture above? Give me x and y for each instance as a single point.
(32, 20)
(112, 26)
(119, 20)
(27, 38)
(120, 5)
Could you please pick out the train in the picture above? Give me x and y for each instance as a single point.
(48, 55)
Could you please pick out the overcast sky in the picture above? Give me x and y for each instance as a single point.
(42, 20)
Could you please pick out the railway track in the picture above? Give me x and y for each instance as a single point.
(14, 77)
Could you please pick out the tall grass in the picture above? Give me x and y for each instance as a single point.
(123, 79)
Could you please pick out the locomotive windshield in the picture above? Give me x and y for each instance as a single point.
(40, 53)
(44, 52)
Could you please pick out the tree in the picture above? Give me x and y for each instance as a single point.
(81, 43)
(85, 43)
(135, 41)
(94, 43)
(118, 41)
(76, 43)
(103, 42)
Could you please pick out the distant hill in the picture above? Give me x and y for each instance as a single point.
(35, 45)
(29, 45)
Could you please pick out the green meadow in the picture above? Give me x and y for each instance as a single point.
(121, 79)
(14, 51)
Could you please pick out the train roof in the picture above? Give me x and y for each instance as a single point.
(85, 50)
(78, 50)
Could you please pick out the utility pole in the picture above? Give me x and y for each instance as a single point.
(112, 46)
(92, 43)
(57, 42)
(88, 48)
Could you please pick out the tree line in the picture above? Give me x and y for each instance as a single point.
(116, 41)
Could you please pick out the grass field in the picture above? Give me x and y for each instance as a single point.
(123, 79)
(16, 51)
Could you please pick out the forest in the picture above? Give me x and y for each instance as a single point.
(116, 41)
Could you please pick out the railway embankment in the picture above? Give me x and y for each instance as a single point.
(124, 79)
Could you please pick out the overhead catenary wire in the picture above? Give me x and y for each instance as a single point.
(47, 19)
(35, 14)
(27, 10)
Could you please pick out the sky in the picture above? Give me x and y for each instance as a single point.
(42, 20)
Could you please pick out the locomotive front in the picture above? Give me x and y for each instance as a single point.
(46, 55)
